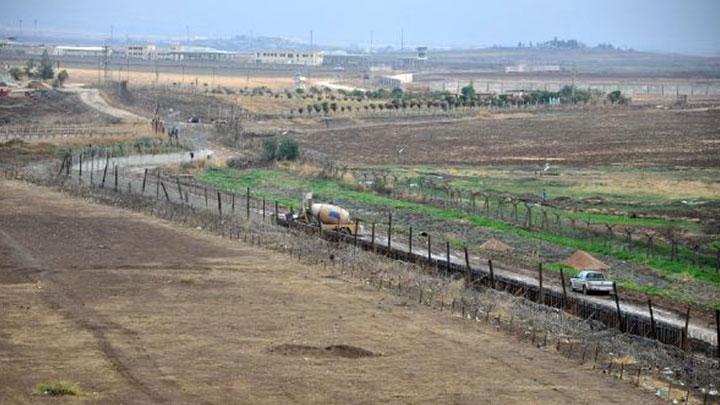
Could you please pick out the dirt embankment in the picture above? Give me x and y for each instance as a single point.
(136, 310)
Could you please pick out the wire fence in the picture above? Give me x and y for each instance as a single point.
(622, 344)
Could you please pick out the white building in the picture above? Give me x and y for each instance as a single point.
(523, 68)
(197, 53)
(396, 80)
(81, 51)
(290, 58)
(147, 52)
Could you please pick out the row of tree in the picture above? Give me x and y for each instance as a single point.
(468, 97)
(40, 71)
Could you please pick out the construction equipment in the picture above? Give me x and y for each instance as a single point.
(328, 216)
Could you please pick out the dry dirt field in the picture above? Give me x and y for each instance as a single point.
(592, 136)
(141, 77)
(135, 310)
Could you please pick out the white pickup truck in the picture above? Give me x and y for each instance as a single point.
(590, 281)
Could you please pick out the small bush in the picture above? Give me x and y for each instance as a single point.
(237, 163)
(288, 149)
(270, 149)
(57, 389)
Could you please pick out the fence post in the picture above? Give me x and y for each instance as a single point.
(357, 229)
(717, 327)
(617, 308)
(429, 250)
(116, 178)
(389, 241)
(80, 155)
(107, 162)
(177, 180)
(372, 237)
(263, 210)
(206, 197)
(219, 204)
(92, 165)
(447, 258)
(540, 294)
(277, 214)
(144, 180)
(562, 281)
(684, 341)
(468, 273)
(247, 203)
(492, 273)
(233, 202)
(652, 319)
(157, 184)
(167, 197)
(410, 243)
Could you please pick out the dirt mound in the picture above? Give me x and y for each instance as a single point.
(344, 351)
(582, 260)
(496, 246)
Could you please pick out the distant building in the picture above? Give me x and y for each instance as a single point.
(396, 80)
(422, 53)
(417, 61)
(290, 58)
(523, 68)
(81, 51)
(147, 52)
(195, 53)
(344, 59)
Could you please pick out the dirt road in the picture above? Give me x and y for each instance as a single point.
(139, 311)
(94, 99)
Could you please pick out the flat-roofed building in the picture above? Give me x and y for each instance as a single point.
(147, 52)
(189, 53)
(81, 51)
(306, 58)
(395, 81)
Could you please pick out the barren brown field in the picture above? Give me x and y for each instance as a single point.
(135, 310)
(591, 136)
(143, 77)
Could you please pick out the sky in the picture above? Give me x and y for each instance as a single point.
(679, 26)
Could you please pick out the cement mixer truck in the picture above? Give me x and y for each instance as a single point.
(328, 216)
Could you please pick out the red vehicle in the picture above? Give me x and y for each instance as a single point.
(4, 92)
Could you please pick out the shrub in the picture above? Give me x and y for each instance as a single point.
(270, 149)
(288, 149)
(57, 388)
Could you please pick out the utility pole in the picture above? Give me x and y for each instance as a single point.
(35, 33)
(402, 39)
(573, 83)
(20, 21)
(127, 56)
(371, 41)
(311, 40)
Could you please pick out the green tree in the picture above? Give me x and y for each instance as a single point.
(615, 96)
(468, 92)
(288, 149)
(62, 77)
(16, 73)
(397, 92)
(46, 71)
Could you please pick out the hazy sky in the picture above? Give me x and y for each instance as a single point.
(688, 26)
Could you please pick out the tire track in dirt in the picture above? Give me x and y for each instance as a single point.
(60, 297)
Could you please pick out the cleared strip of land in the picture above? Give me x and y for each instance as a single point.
(135, 310)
